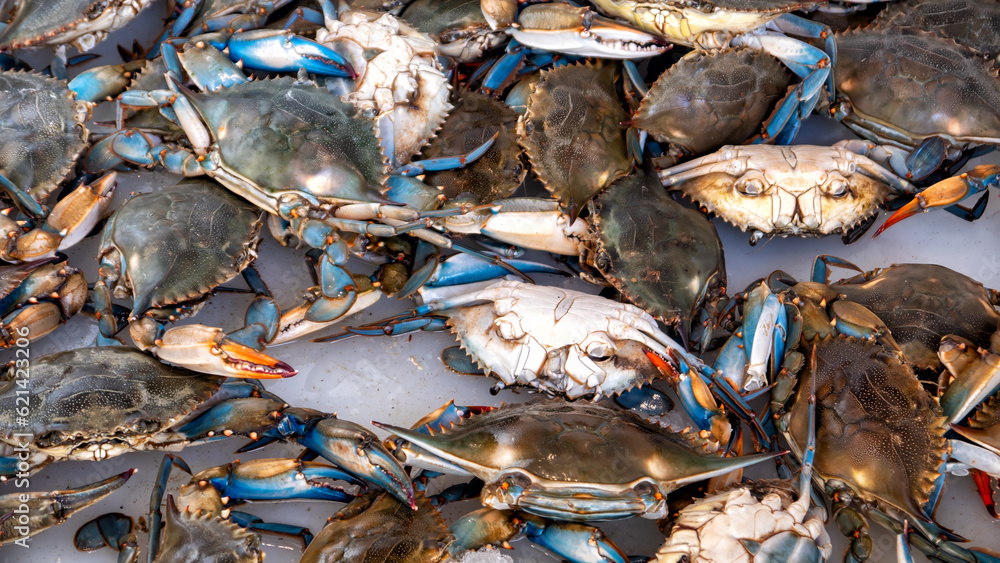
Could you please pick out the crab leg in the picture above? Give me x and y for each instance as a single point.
(43, 510)
(567, 29)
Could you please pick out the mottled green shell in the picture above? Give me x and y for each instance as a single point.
(710, 99)
(376, 528)
(572, 132)
(921, 303)
(664, 257)
(283, 135)
(572, 443)
(90, 395)
(877, 429)
(42, 131)
(437, 17)
(38, 20)
(177, 244)
(973, 23)
(918, 84)
(495, 175)
(758, 6)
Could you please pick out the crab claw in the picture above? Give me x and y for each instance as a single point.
(266, 479)
(344, 444)
(281, 51)
(44, 510)
(946, 192)
(206, 349)
(579, 31)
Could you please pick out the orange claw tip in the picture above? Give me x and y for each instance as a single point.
(905, 212)
(661, 364)
(250, 363)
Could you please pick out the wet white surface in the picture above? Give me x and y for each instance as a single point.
(399, 380)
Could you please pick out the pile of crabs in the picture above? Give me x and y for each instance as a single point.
(451, 152)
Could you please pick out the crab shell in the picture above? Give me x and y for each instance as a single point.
(905, 85)
(665, 258)
(495, 175)
(281, 141)
(570, 461)
(82, 23)
(572, 132)
(401, 86)
(877, 430)
(798, 190)
(44, 131)
(177, 244)
(84, 407)
(377, 527)
(559, 341)
(972, 23)
(922, 303)
(710, 99)
(458, 26)
(723, 527)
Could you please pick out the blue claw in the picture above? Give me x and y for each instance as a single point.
(236, 416)
(256, 524)
(646, 400)
(281, 51)
(461, 269)
(348, 446)
(575, 542)
(277, 479)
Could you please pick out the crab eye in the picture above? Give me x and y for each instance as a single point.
(751, 187)
(599, 353)
(96, 10)
(838, 187)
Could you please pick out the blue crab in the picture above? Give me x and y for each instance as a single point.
(324, 172)
(44, 134)
(458, 26)
(195, 222)
(848, 351)
(23, 515)
(97, 403)
(558, 341)
(800, 190)
(399, 82)
(707, 100)
(81, 23)
(568, 461)
(763, 25)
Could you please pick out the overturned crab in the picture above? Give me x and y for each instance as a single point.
(798, 190)
(558, 341)
(401, 85)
